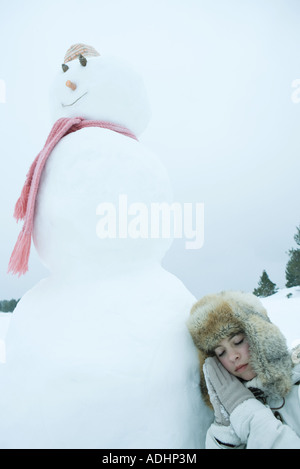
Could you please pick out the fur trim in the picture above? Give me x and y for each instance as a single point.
(296, 354)
(217, 316)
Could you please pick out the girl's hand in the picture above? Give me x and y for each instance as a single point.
(221, 416)
(229, 389)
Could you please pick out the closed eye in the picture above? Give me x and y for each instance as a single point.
(240, 342)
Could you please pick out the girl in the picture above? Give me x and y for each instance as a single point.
(247, 374)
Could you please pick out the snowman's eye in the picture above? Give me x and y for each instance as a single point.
(65, 67)
(82, 60)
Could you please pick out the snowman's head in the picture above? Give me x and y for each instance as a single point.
(102, 88)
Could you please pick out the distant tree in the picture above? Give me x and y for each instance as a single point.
(7, 306)
(292, 271)
(265, 286)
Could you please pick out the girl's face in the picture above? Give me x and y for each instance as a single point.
(234, 355)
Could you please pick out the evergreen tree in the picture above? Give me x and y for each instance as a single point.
(297, 236)
(265, 286)
(292, 271)
(8, 306)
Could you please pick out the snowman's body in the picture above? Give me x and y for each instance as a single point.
(98, 354)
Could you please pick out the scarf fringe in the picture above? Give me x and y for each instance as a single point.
(18, 263)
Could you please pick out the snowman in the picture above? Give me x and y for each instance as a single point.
(98, 353)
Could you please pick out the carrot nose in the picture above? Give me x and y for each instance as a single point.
(71, 85)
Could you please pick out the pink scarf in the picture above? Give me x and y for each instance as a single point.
(25, 205)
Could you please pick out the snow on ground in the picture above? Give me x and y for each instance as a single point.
(284, 311)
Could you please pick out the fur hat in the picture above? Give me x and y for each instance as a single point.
(218, 316)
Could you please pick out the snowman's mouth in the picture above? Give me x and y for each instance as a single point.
(64, 105)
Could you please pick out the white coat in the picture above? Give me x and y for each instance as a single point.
(254, 425)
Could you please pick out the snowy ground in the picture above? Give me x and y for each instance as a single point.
(283, 309)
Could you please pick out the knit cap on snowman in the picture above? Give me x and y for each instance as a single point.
(217, 316)
(76, 50)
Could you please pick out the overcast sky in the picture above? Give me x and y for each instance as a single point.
(219, 75)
